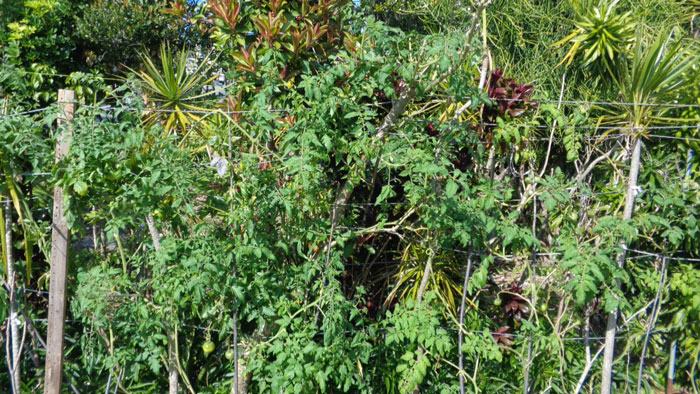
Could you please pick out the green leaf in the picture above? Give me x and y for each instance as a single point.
(80, 187)
(451, 188)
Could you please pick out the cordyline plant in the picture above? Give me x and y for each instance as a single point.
(298, 30)
(510, 99)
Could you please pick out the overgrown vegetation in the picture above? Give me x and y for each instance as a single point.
(325, 196)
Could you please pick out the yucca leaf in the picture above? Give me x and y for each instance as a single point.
(14, 194)
(602, 36)
(3, 240)
(169, 124)
(28, 250)
(566, 39)
(18, 202)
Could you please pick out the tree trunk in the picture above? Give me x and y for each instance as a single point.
(610, 331)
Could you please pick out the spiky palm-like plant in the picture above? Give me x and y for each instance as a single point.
(601, 35)
(176, 92)
(654, 75)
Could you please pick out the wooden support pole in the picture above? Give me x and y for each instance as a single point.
(236, 384)
(652, 322)
(13, 352)
(173, 380)
(60, 240)
(671, 369)
(467, 274)
(606, 386)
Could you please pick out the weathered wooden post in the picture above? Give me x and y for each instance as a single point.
(60, 240)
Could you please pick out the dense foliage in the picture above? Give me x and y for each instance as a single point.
(325, 196)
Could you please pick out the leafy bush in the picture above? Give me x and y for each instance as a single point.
(356, 214)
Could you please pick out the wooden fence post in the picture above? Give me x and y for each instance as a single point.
(60, 240)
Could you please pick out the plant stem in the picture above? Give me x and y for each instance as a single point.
(554, 126)
(587, 369)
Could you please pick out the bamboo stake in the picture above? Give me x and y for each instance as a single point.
(60, 240)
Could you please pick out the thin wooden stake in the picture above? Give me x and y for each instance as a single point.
(236, 384)
(467, 273)
(654, 314)
(531, 268)
(173, 379)
(12, 320)
(526, 388)
(155, 235)
(554, 126)
(611, 329)
(587, 369)
(671, 369)
(60, 240)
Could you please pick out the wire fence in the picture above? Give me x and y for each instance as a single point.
(23, 113)
(496, 335)
(580, 194)
(107, 107)
(383, 330)
(576, 195)
(607, 103)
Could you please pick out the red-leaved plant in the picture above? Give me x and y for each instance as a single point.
(509, 97)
